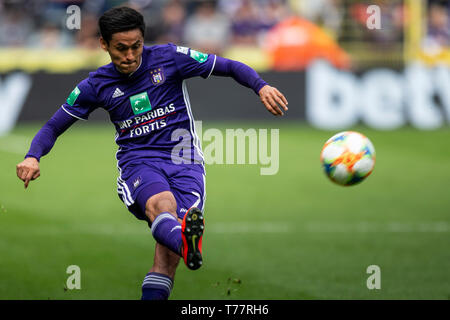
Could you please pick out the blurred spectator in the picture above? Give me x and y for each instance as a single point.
(88, 35)
(50, 36)
(391, 21)
(271, 13)
(16, 24)
(438, 31)
(245, 24)
(207, 30)
(169, 25)
(50, 25)
(295, 43)
(250, 19)
(97, 7)
(173, 15)
(325, 13)
(229, 7)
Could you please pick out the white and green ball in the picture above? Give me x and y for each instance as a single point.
(348, 158)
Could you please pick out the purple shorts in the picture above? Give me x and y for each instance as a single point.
(138, 182)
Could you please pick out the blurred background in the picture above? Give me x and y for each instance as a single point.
(410, 29)
(375, 66)
(382, 54)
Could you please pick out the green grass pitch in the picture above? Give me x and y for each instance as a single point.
(294, 235)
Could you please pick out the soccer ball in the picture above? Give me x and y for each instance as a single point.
(348, 158)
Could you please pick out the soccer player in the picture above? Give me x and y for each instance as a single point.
(144, 91)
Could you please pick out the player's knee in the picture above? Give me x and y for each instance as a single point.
(161, 202)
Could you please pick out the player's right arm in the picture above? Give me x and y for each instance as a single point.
(79, 105)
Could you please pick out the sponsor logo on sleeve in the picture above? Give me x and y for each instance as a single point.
(73, 96)
(199, 56)
(183, 50)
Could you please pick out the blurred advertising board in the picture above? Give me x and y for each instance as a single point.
(325, 97)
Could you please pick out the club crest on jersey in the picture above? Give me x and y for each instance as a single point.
(157, 76)
(140, 103)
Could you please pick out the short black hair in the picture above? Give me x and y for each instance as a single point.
(120, 19)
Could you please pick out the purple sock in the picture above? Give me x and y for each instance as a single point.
(167, 231)
(156, 286)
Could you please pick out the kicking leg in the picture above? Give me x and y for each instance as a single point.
(184, 239)
(158, 282)
(166, 229)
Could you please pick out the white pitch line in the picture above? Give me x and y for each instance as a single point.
(249, 227)
(257, 227)
(323, 227)
(389, 227)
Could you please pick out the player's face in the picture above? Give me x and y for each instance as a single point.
(125, 50)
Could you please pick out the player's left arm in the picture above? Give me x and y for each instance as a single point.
(274, 101)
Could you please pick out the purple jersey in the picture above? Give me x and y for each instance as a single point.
(155, 129)
(147, 106)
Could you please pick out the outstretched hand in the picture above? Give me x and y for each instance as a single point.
(273, 100)
(28, 170)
